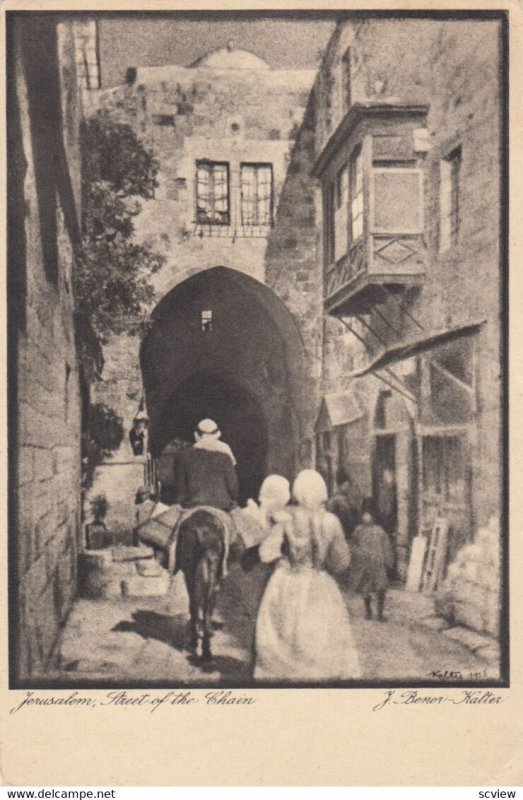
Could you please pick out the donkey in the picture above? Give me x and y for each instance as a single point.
(200, 553)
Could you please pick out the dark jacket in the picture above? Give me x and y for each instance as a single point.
(347, 512)
(372, 554)
(205, 478)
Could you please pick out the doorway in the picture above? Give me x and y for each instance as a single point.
(384, 489)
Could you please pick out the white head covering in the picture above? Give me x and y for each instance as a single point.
(275, 491)
(309, 489)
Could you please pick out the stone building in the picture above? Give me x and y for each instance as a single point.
(224, 342)
(44, 394)
(408, 143)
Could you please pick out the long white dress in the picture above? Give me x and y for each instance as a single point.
(303, 631)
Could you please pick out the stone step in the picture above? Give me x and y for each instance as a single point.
(126, 553)
(140, 586)
(149, 568)
(435, 623)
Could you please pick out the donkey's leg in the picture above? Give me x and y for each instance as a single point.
(193, 609)
(212, 587)
(207, 577)
(206, 646)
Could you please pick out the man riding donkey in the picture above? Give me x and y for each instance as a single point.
(201, 526)
(205, 473)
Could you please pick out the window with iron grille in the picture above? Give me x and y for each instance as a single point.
(256, 194)
(450, 168)
(212, 192)
(356, 195)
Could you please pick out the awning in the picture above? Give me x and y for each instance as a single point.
(400, 352)
(338, 409)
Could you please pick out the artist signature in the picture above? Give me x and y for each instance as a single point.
(411, 697)
(457, 675)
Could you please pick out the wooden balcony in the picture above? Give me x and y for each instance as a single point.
(374, 267)
(372, 173)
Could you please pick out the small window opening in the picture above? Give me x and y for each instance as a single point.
(206, 320)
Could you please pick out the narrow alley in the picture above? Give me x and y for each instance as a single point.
(257, 260)
(145, 640)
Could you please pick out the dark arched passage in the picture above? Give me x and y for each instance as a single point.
(244, 371)
(238, 413)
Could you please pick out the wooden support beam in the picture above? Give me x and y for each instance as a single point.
(450, 376)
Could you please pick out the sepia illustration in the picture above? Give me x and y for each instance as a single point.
(257, 304)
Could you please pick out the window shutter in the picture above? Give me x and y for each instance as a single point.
(445, 202)
(341, 218)
(341, 233)
(397, 200)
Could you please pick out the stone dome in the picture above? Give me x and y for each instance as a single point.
(230, 58)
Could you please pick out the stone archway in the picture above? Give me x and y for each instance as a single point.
(225, 346)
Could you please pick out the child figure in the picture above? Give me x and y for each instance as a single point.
(371, 557)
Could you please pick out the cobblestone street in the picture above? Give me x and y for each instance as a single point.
(141, 641)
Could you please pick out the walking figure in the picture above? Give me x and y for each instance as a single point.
(303, 631)
(371, 557)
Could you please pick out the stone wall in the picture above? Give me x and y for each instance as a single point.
(292, 266)
(235, 115)
(44, 389)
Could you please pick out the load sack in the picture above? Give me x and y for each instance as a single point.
(160, 532)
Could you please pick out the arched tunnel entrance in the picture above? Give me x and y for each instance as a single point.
(240, 416)
(224, 346)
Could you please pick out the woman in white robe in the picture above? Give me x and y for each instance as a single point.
(303, 631)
